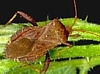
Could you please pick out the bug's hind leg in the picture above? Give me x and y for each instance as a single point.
(24, 16)
(46, 63)
(31, 67)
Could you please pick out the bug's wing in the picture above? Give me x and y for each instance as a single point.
(25, 32)
(18, 48)
(49, 36)
(28, 45)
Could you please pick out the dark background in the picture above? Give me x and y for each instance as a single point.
(39, 9)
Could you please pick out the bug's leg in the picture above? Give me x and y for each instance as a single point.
(89, 32)
(31, 67)
(60, 51)
(46, 63)
(75, 35)
(67, 44)
(23, 15)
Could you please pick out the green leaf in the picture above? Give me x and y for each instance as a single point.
(64, 59)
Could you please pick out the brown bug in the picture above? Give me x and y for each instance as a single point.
(31, 43)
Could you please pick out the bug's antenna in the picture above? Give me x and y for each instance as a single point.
(75, 9)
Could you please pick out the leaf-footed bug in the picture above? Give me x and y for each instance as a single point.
(31, 43)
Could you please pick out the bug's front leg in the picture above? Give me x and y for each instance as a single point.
(24, 16)
(46, 63)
